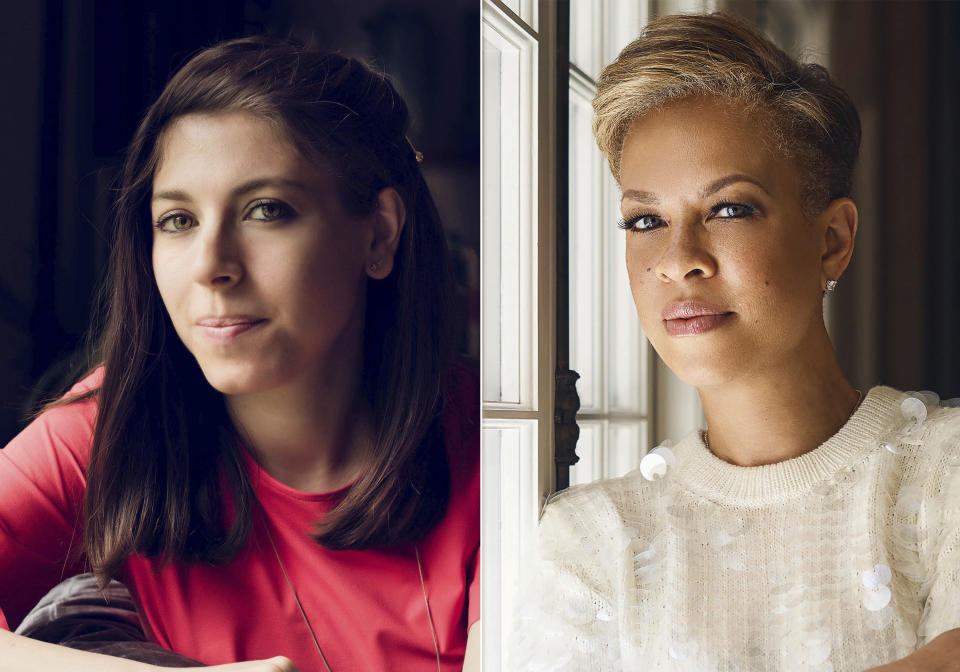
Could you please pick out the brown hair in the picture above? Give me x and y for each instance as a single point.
(163, 440)
(811, 118)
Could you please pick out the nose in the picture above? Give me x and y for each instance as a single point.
(218, 256)
(686, 256)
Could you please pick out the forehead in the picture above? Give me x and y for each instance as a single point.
(204, 149)
(699, 140)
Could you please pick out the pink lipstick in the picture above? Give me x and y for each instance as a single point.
(692, 317)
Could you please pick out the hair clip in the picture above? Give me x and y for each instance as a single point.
(417, 155)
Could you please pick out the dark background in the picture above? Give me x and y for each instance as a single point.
(899, 309)
(78, 75)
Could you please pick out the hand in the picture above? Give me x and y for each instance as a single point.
(275, 664)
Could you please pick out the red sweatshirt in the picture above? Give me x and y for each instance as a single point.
(366, 607)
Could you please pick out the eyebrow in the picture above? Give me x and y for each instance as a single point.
(648, 197)
(240, 190)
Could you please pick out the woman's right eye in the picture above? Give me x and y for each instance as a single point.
(640, 223)
(176, 222)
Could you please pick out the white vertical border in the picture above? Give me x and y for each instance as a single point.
(518, 286)
(508, 527)
(515, 436)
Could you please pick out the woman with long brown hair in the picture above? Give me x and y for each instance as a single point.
(274, 449)
(812, 526)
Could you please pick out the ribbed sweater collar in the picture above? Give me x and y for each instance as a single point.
(701, 471)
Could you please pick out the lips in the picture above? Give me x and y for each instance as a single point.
(227, 328)
(692, 316)
(219, 322)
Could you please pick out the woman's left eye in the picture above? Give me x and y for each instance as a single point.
(733, 210)
(267, 211)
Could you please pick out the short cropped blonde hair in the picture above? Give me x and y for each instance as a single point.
(811, 118)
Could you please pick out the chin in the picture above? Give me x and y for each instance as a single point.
(234, 379)
(705, 367)
(702, 376)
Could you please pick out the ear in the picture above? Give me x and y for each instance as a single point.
(838, 221)
(387, 225)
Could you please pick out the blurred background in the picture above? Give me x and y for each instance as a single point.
(80, 73)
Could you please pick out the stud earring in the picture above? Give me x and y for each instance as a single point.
(831, 285)
(374, 266)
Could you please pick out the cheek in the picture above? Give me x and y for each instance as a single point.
(782, 288)
(792, 269)
(167, 278)
(325, 277)
(173, 278)
(641, 274)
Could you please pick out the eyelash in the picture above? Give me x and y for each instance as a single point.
(629, 223)
(162, 222)
(285, 212)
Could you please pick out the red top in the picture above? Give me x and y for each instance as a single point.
(366, 607)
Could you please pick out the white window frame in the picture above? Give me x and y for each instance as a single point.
(518, 479)
(516, 432)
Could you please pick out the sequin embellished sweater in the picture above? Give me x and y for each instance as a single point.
(839, 560)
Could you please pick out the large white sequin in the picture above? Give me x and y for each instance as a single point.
(878, 576)
(653, 466)
(666, 454)
(877, 599)
(914, 410)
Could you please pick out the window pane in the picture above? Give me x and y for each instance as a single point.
(626, 444)
(586, 251)
(509, 213)
(510, 511)
(586, 23)
(624, 19)
(599, 30)
(608, 449)
(607, 346)
(665, 7)
(491, 222)
(590, 449)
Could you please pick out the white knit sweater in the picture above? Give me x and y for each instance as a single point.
(841, 559)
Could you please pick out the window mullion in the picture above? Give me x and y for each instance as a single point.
(555, 62)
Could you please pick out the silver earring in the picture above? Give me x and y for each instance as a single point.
(374, 266)
(831, 285)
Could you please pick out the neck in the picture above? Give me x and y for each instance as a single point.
(782, 411)
(313, 433)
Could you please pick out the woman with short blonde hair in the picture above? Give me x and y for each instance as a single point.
(812, 526)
